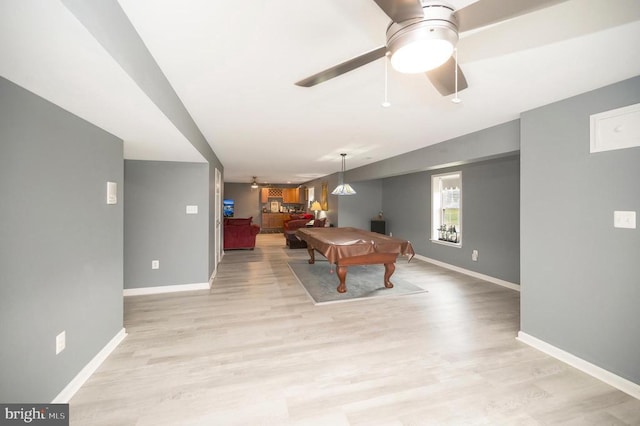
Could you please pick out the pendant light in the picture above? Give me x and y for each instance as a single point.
(343, 188)
(254, 184)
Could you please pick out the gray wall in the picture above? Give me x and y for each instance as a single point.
(490, 216)
(580, 275)
(247, 200)
(157, 227)
(61, 245)
(358, 210)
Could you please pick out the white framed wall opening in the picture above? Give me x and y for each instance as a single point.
(446, 213)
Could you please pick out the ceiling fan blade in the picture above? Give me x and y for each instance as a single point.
(443, 78)
(343, 67)
(401, 10)
(486, 12)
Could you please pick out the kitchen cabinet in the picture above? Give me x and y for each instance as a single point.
(287, 195)
(290, 195)
(266, 193)
(302, 195)
(293, 196)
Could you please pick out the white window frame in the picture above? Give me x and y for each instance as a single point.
(436, 206)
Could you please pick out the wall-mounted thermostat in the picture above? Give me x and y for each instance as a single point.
(112, 193)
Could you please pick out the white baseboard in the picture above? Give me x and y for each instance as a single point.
(474, 274)
(76, 383)
(599, 373)
(165, 289)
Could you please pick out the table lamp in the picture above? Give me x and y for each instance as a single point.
(315, 206)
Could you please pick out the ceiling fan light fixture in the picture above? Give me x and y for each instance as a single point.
(422, 44)
(421, 56)
(423, 48)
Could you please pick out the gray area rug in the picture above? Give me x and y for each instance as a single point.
(320, 281)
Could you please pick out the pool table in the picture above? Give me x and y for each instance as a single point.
(352, 246)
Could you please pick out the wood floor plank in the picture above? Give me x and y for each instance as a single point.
(254, 350)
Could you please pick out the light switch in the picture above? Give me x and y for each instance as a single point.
(112, 193)
(624, 219)
(192, 209)
(61, 342)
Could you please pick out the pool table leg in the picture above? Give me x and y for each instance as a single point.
(312, 256)
(342, 276)
(389, 269)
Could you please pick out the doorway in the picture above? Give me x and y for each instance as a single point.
(217, 221)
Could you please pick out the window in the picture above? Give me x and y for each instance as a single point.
(446, 216)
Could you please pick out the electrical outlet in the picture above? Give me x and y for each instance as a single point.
(61, 342)
(155, 264)
(474, 255)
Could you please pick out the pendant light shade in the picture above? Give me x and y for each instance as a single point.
(343, 188)
(254, 184)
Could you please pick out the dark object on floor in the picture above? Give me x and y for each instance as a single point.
(291, 225)
(293, 242)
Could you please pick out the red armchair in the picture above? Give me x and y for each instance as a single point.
(240, 233)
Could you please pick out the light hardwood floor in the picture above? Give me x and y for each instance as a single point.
(255, 351)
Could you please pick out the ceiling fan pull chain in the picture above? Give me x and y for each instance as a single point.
(386, 102)
(456, 99)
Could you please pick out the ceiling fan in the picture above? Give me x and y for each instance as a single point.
(423, 34)
(255, 184)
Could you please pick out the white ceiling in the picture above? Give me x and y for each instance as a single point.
(234, 64)
(44, 49)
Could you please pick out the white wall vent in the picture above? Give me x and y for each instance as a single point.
(615, 129)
